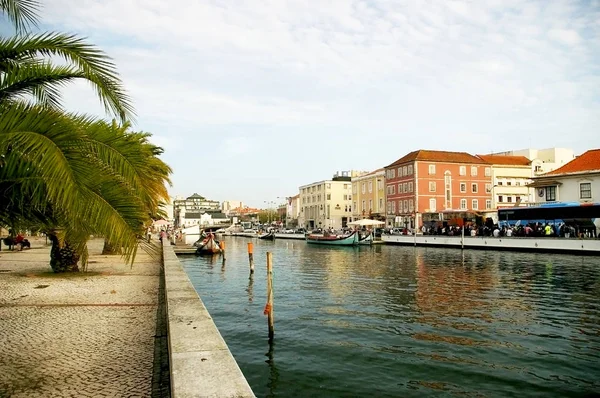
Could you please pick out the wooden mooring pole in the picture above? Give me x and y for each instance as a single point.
(222, 246)
(269, 307)
(251, 257)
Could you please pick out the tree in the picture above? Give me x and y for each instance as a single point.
(71, 175)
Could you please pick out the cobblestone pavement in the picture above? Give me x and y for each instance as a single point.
(83, 335)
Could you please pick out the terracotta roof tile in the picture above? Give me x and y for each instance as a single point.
(438, 156)
(588, 161)
(506, 160)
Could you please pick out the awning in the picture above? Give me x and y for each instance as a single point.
(542, 183)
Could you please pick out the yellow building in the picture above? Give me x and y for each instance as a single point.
(368, 195)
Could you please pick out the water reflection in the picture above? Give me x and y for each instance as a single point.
(273, 372)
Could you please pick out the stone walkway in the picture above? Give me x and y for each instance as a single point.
(89, 334)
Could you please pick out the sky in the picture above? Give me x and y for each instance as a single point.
(252, 99)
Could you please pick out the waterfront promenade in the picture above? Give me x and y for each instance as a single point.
(88, 334)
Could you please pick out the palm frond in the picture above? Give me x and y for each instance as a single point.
(22, 13)
(95, 66)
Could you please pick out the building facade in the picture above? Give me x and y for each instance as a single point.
(511, 176)
(190, 211)
(576, 181)
(368, 195)
(543, 160)
(326, 204)
(430, 186)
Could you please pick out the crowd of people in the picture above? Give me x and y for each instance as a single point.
(537, 229)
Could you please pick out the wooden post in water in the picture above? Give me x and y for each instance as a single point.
(222, 246)
(462, 237)
(269, 307)
(251, 257)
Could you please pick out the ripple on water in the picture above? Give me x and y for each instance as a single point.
(394, 321)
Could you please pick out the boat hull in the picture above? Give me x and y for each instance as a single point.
(208, 246)
(348, 240)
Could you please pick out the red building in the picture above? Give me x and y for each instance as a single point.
(426, 186)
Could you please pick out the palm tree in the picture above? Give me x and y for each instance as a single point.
(72, 175)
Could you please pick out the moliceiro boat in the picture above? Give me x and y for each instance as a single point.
(268, 236)
(208, 245)
(345, 240)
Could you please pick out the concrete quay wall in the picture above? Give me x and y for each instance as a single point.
(550, 245)
(201, 363)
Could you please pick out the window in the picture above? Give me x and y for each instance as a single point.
(354, 204)
(488, 204)
(432, 205)
(400, 188)
(488, 171)
(431, 186)
(354, 188)
(370, 186)
(432, 169)
(475, 204)
(488, 188)
(345, 186)
(370, 204)
(379, 185)
(405, 205)
(389, 207)
(364, 188)
(410, 186)
(404, 171)
(463, 187)
(509, 199)
(345, 197)
(499, 182)
(318, 187)
(393, 207)
(463, 204)
(318, 197)
(462, 170)
(538, 169)
(500, 198)
(550, 194)
(411, 205)
(392, 173)
(473, 170)
(328, 186)
(399, 171)
(380, 204)
(363, 206)
(585, 190)
(328, 196)
(518, 183)
(410, 169)
(474, 187)
(508, 182)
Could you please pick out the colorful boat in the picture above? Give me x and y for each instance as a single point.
(208, 245)
(345, 240)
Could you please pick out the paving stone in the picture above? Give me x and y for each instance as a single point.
(84, 335)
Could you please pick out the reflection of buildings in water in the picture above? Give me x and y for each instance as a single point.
(368, 280)
(447, 288)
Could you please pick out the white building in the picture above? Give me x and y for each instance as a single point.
(576, 181)
(189, 211)
(230, 205)
(511, 176)
(543, 160)
(327, 204)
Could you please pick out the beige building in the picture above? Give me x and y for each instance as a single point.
(368, 195)
(510, 178)
(327, 204)
(230, 205)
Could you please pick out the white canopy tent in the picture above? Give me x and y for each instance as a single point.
(365, 222)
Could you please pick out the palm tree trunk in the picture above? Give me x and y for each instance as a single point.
(109, 249)
(62, 257)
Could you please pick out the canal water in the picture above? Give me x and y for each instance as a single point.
(392, 321)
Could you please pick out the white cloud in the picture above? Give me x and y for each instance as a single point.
(305, 80)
